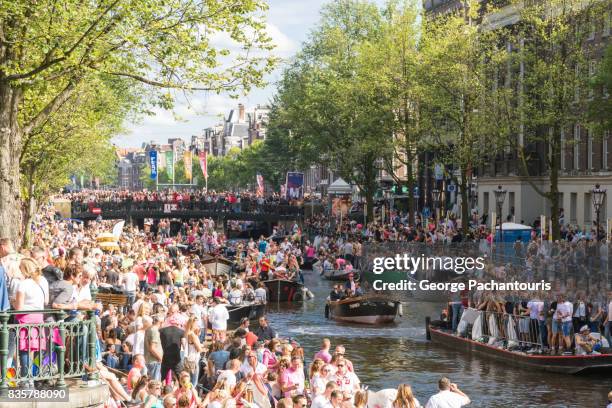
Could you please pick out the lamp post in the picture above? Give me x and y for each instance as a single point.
(599, 195)
(435, 195)
(500, 197)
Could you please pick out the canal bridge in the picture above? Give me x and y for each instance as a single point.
(265, 215)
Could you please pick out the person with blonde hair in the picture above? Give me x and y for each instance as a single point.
(360, 400)
(405, 398)
(194, 348)
(32, 295)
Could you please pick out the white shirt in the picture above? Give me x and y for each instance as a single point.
(447, 399)
(347, 383)
(33, 294)
(130, 281)
(321, 401)
(218, 317)
(564, 309)
(260, 295)
(229, 377)
(199, 311)
(259, 368)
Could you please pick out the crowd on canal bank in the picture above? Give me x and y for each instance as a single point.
(169, 345)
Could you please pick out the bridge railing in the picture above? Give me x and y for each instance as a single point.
(242, 207)
(47, 345)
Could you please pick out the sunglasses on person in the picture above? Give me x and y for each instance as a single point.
(340, 365)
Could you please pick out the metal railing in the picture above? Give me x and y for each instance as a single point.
(511, 329)
(55, 348)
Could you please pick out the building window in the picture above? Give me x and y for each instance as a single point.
(588, 206)
(573, 207)
(589, 149)
(591, 29)
(485, 202)
(605, 147)
(592, 71)
(562, 149)
(576, 147)
(577, 83)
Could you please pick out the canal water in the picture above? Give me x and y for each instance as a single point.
(387, 356)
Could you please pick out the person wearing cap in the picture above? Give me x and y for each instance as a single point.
(586, 343)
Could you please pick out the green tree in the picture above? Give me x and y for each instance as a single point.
(49, 51)
(452, 71)
(537, 111)
(600, 108)
(328, 105)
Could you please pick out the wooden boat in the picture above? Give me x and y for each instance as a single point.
(363, 309)
(340, 274)
(281, 290)
(252, 311)
(572, 364)
(217, 265)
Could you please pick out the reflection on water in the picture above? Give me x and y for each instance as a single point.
(387, 356)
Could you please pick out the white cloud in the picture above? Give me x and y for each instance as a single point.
(288, 24)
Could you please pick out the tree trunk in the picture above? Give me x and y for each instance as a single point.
(10, 151)
(369, 196)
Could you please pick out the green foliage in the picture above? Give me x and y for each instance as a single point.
(600, 108)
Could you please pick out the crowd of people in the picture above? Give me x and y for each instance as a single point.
(169, 344)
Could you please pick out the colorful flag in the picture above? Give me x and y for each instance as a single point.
(170, 164)
(153, 163)
(187, 161)
(204, 163)
(260, 185)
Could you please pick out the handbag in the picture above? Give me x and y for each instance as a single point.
(192, 360)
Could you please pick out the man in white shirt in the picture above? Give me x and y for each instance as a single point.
(608, 324)
(450, 396)
(200, 311)
(251, 366)
(129, 280)
(563, 317)
(218, 316)
(323, 400)
(346, 380)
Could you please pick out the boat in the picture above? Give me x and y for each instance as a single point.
(363, 309)
(217, 265)
(281, 290)
(572, 364)
(340, 274)
(252, 311)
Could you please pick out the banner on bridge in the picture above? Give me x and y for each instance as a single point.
(153, 164)
(294, 185)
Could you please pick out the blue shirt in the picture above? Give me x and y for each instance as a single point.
(4, 297)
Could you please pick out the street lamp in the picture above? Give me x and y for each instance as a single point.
(599, 195)
(435, 195)
(500, 197)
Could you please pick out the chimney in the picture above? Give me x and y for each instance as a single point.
(240, 112)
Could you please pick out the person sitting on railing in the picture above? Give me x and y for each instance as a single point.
(586, 343)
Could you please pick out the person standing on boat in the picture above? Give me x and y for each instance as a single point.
(450, 396)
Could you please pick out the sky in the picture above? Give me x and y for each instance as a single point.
(289, 22)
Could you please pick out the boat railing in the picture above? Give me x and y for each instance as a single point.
(510, 329)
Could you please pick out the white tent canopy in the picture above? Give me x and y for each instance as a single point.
(339, 186)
